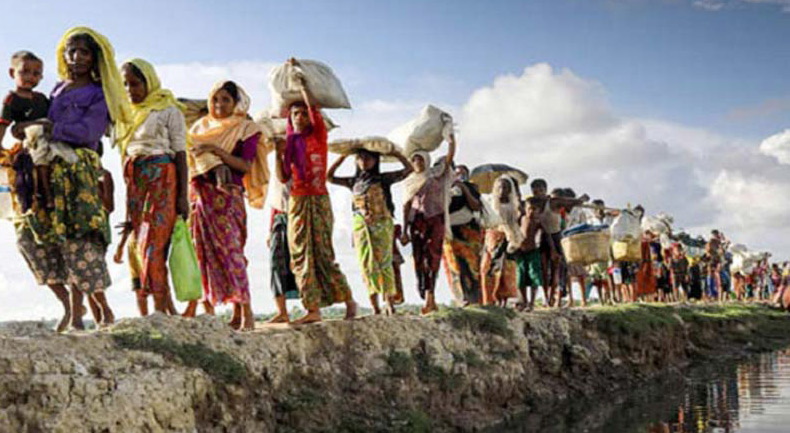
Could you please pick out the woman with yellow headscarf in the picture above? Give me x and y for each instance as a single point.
(153, 148)
(226, 140)
(76, 232)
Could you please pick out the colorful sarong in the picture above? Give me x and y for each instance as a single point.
(318, 276)
(219, 230)
(151, 197)
(427, 237)
(461, 259)
(373, 243)
(497, 269)
(77, 228)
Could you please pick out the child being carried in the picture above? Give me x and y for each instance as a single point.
(27, 111)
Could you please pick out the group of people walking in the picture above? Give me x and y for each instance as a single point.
(494, 247)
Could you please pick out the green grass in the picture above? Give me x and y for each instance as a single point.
(488, 319)
(639, 318)
(634, 318)
(218, 365)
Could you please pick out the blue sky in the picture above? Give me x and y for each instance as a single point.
(664, 59)
(680, 105)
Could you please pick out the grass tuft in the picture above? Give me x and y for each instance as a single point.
(219, 365)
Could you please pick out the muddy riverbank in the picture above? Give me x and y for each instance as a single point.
(460, 370)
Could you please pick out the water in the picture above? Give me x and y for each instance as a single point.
(748, 396)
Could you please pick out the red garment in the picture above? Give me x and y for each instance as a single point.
(645, 279)
(315, 170)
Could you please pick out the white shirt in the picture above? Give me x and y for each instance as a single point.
(163, 133)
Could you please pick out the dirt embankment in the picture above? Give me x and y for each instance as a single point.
(462, 370)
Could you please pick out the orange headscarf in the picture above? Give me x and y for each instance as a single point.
(226, 133)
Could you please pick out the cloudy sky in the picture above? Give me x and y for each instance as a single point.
(680, 105)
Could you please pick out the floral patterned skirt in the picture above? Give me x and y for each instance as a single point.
(75, 233)
(219, 230)
(373, 242)
(320, 281)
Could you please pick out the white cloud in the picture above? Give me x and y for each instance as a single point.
(778, 146)
(718, 5)
(709, 5)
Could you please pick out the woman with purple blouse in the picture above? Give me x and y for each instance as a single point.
(66, 245)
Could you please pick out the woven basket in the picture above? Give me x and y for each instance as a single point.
(627, 251)
(586, 248)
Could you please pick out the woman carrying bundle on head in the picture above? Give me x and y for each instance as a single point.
(228, 159)
(302, 160)
(425, 218)
(373, 221)
(155, 170)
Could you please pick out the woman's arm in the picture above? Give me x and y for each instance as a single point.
(182, 177)
(241, 164)
(397, 176)
(448, 160)
(177, 134)
(279, 160)
(405, 234)
(305, 92)
(471, 200)
(330, 174)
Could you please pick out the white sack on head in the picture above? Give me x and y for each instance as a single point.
(426, 132)
(626, 226)
(323, 84)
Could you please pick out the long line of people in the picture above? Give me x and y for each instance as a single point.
(495, 245)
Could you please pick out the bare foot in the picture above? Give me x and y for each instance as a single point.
(235, 320)
(64, 322)
(389, 310)
(280, 318)
(310, 317)
(191, 309)
(428, 309)
(351, 310)
(76, 319)
(109, 317)
(248, 319)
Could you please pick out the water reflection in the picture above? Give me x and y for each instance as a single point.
(747, 397)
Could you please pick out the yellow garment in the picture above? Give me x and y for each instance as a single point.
(225, 133)
(111, 82)
(157, 99)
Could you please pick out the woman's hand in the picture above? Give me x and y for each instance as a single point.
(47, 124)
(200, 149)
(404, 238)
(279, 145)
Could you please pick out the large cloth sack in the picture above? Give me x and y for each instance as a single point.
(626, 226)
(659, 224)
(426, 132)
(586, 248)
(184, 270)
(324, 86)
(348, 146)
